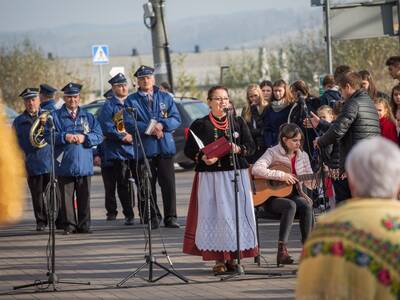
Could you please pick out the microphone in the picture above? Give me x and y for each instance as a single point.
(227, 109)
(300, 97)
(301, 100)
(50, 120)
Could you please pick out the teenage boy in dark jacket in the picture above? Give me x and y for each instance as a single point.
(331, 93)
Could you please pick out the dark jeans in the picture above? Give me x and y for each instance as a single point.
(122, 173)
(162, 169)
(342, 190)
(110, 185)
(287, 208)
(37, 186)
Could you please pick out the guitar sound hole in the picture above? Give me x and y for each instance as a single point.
(275, 183)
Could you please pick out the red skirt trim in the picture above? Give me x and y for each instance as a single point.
(189, 245)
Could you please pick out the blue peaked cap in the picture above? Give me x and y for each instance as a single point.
(47, 89)
(118, 79)
(29, 93)
(144, 71)
(72, 89)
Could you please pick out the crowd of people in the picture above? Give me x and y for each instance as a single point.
(289, 127)
(284, 134)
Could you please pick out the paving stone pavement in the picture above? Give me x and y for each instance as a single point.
(113, 251)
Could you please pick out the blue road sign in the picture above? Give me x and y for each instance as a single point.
(100, 54)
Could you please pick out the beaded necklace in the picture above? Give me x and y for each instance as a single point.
(221, 125)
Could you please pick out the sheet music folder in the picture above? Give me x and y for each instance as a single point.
(218, 148)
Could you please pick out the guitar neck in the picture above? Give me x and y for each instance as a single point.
(306, 177)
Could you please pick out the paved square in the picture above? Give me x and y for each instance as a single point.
(114, 250)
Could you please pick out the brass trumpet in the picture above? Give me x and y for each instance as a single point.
(36, 134)
(118, 120)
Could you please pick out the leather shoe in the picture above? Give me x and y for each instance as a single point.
(111, 217)
(68, 230)
(40, 227)
(129, 221)
(155, 223)
(171, 223)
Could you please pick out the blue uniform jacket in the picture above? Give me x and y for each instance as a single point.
(114, 147)
(74, 159)
(163, 111)
(48, 105)
(37, 161)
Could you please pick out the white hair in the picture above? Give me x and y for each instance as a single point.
(373, 168)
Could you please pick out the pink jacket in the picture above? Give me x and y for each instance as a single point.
(277, 155)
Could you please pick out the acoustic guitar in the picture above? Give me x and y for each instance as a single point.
(264, 189)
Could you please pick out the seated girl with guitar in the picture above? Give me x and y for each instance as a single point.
(286, 167)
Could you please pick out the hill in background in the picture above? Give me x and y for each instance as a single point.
(246, 29)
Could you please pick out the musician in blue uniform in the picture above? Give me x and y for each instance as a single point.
(46, 94)
(76, 132)
(37, 160)
(107, 173)
(118, 147)
(157, 118)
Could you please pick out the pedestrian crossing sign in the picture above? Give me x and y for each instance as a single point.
(100, 54)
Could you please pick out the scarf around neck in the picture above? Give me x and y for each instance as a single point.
(277, 106)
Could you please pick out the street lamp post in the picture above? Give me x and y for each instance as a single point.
(328, 36)
(155, 21)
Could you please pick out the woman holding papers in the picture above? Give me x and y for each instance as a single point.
(211, 226)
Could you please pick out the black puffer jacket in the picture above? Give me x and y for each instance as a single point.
(358, 120)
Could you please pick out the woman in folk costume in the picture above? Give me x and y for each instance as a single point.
(354, 251)
(211, 226)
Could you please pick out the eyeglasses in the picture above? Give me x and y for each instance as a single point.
(220, 99)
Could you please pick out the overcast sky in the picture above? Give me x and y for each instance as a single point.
(21, 15)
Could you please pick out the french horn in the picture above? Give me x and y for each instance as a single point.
(36, 134)
(118, 120)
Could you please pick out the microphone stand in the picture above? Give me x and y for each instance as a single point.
(52, 278)
(150, 259)
(239, 269)
(304, 109)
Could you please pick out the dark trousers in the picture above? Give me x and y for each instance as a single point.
(110, 185)
(81, 186)
(162, 169)
(37, 186)
(287, 208)
(122, 173)
(342, 190)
